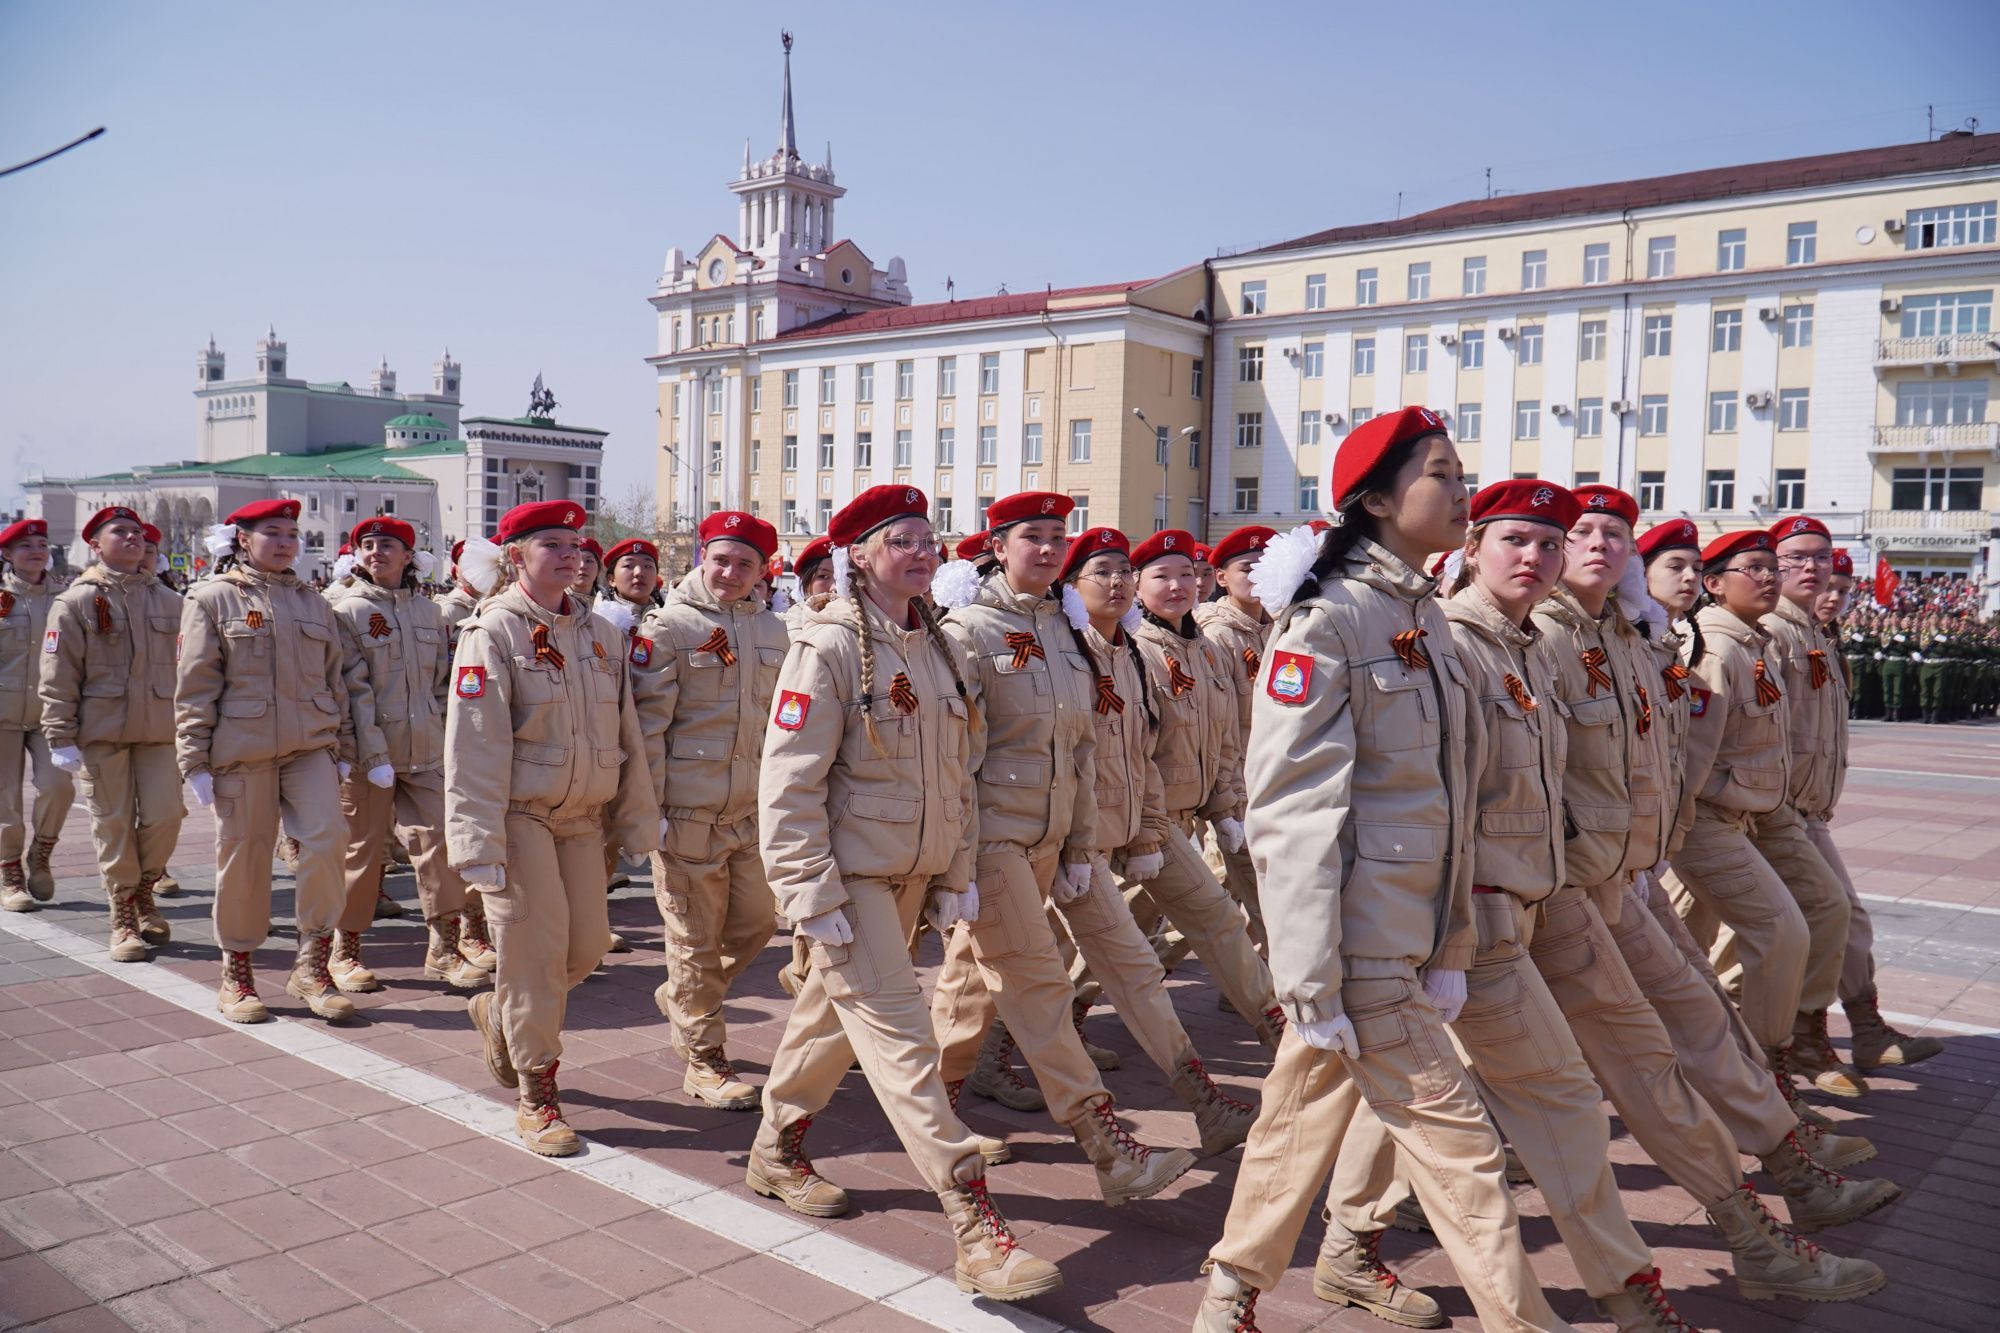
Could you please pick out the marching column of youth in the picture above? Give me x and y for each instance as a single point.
(705, 667)
(541, 741)
(1358, 800)
(27, 591)
(866, 819)
(260, 719)
(397, 655)
(1033, 748)
(107, 701)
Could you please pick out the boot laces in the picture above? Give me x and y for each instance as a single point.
(318, 949)
(236, 974)
(792, 1145)
(473, 930)
(1245, 1312)
(1003, 1057)
(1275, 1015)
(989, 1216)
(1370, 1243)
(38, 855)
(1654, 1295)
(447, 931)
(1791, 1239)
(716, 1063)
(143, 895)
(125, 915)
(1215, 1093)
(1108, 1117)
(1813, 1165)
(347, 947)
(952, 1089)
(547, 1105)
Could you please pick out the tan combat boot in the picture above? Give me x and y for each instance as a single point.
(1773, 1261)
(14, 895)
(1220, 1119)
(779, 1169)
(1818, 1196)
(1643, 1307)
(1104, 1059)
(1779, 1058)
(1829, 1149)
(1813, 1055)
(386, 908)
(712, 1079)
(995, 1078)
(349, 973)
(992, 1151)
(237, 999)
(1126, 1168)
(1350, 1271)
(312, 982)
(539, 1118)
(990, 1262)
(1228, 1306)
(474, 944)
(493, 1039)
(153, 927)
(41, 879)
(616, 943)
(442, 960)
(127, 945)
(1270, 1027)
(167, 886)
(1877, 1044)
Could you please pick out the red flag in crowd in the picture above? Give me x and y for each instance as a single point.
(1885, 582)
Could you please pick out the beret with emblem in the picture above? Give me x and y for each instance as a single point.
(737, 526)
(1843, 563)
(27, 527)
(383, 526)
(1799, 525)
(152, 533)
(875, 507)
(632, 546)
(1025, 505)
(259, 510)
(1734, 543)
(542, 514)
(971, 548)
(1370, 442)
(1597, 499)
(103, 516)
(1675, 535)
(1250, 540)
(594, 546)
(1202, 553)
(1094, 542)
(818, 549)
(1528, 499)
(1161, 545)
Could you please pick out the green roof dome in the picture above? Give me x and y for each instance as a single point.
(414, 421)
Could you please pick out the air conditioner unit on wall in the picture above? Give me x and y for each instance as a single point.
(1891, 304)
(1447, 340)
(1757, 399)
(1620, 406)
(1506, 332)
(1559, 409)
(1767, 313)
(1893, 226)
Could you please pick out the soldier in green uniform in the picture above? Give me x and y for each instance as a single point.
(1859, 644)
(1894, 655)
(1933, 658)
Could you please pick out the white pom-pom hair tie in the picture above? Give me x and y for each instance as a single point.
(843, 567)
(615, 614)
(1287, 559)
(479, 564)
(1073, 609)
(955, 584)
(220, 540)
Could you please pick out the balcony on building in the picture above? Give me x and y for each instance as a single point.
(1930, 520)
(1958, 437)
(1946, 350)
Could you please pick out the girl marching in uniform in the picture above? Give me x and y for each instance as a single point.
(458, 601)
(814, 572)
(631, 589)
(1237, 623)
(27, 591)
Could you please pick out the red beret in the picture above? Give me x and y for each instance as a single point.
(1249, 540)
(1024, 505)
(457, 550)
(542, 514)
(1733, 543)
(1804, 525)
(152, 533)
(384, 526)
(818, 549)
(740, 527)
(346, 548)
(1163, 544)
(633, 546)
(1367, 444)
(592, 545)
(1528, 499)
(971, 548)
(27, 527)
(259, 510)
(1094, 542)
(1202, 553)
(874, 508)
(1597, 499)
(103, 516)
(1318, 525)
(1673, 535)
(1843, 563)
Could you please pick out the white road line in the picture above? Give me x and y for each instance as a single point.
(715, 1209)
(1916, 1025)
(1925, 773)
(1927, 902)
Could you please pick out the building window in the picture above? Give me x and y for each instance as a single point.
(1249, 365)
(1941, 402)
(906, 381)
(1528, 419)
(1079, 514)
(1936, 487)
(1794, 409)
(1246, 495)
(947, 377)
(1791, 488)
(1730, 247)
(389, 501)
(1534, 270)
(1722, 412)
(941, 517)
(825, 452)
(1721, 489)
(1079, 441)
(1652, 491)
(1947, 313)
(903, 448)
(826, 385)
(788, 515)
(1802, 243)
(1416, 353)
(1359, 416)
(1590, 340)
(1530, 344)
(1315, 291)
(1195, 371)
(1472, 349)
(1470, 418)
(864, 449)
(1728, 332)
(1589, 417)
(1660, 257)
(756, 455)
(715, 458)
(989, 372)
(989, 445)
(1249, 430)
(864, 383)
(1364, 356)
(312, 506)
(791, 388)
(947, 446)
(1653, 414)
(1585, 479)
(1798, 325)
(350, 504)
(1031, 442)
(1596, 263)
(1308, 492)
(1475, 276)
(715, 395)
(1420, 282)
(1161, 445)
(1309, 428)
(789, 458)
(757, 393)
(1957, 224)
(1365, 287)
(1194, 449)
(1253, 298)
(1659, 336)
(757, 323)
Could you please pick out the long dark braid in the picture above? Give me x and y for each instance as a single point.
(1699, 648)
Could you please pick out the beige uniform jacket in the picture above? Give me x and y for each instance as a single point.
(1194, 694)
(1034, 752)
(260, 677)
(108, 668)
(831, 800)
(1614, 805)
(552, 734)
(1239, 638)
(704, 674)
(1817, 689)
(1739, 754)
(333, 591)
(24, 627)
(398, 666)
(1671, 701)
(1359, 795)
(456, 605)
(1518, 770)
(1131, 800)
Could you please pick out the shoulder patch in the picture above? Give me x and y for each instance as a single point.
(642, 651)
(1291, 678)
(49, 641)
(792, 709)
(471, 683)
(1698, 701)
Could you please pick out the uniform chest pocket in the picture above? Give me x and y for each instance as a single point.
(1761, 723)
(1018, 693)
(430, 646)
(893, 729)
(316, 648)
(769, 661)
(241, 638)
(603, 674)
(535, 685)
(1593, 737)
(1520, 733)
(704, 677)
(1401, 710)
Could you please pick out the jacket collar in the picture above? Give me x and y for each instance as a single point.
(693, 590)
(516, 598)
(1472, 606)
(250, 576)
(1235, 617)
(14, 583)
(1797, 615)
(1715, 620)
(106, 577)
(995, 591)
(1372, 563)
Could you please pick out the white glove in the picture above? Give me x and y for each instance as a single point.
(383, 776)
(828, 928)
(345, 769)
(68, 758)
(1446, 990)
(1072, 882)
(1145, 867)
(1333, 1034)
(1229, 832)
(202, 784)
(944, 909)
(486, 876)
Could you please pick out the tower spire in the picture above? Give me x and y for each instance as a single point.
(788, 139)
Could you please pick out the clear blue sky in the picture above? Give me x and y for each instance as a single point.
(506, 177)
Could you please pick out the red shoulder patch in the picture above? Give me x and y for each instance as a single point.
(792, 710)
(1698, 701)
(471, 683)
(49, 641)
(642, 651)
(1291, 678)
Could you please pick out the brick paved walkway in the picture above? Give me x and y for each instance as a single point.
(163, 1170)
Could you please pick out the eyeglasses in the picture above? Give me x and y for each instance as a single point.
(904, 544)
(1762, 573)
(1824, 560)
(1113, 576)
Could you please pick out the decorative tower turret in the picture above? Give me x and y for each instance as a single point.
(270, 355)
(208, 363)
(444, 376)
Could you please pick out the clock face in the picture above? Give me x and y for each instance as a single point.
(715, 270)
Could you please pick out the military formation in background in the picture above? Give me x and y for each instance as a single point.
(1471, 845)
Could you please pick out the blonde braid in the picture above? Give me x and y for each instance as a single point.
(945, 648)
(867, 663)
